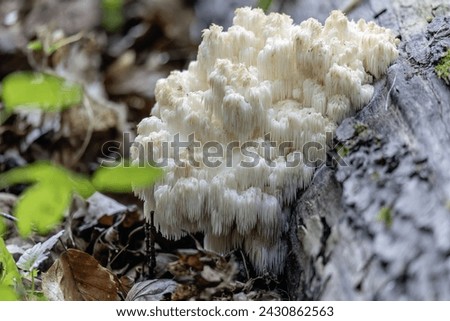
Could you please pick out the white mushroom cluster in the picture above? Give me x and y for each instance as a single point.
(244, 111)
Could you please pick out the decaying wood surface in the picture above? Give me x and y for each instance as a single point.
(379, 228)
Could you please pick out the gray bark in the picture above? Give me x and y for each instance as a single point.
(378, 228)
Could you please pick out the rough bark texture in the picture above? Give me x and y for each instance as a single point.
(378, 228)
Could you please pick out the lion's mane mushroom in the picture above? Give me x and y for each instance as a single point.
(263, 82)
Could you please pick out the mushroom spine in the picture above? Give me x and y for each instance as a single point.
(262, 84)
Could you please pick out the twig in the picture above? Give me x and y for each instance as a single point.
(150, 252)
(8, 217)
(117, 255)
(378, 14)
(89, 131)
(245, 264)
(152, 245)
(62, 243)
(350, 6)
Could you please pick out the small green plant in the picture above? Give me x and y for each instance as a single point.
(35, 45)
(30, 260)
(38, 90)
(43, 204)
(264, 4)
(443, 68)
(113, 18)
(359, 128)
(48, 48)
(385, 216)
(10, 279)
(342, 150)
(122, 177)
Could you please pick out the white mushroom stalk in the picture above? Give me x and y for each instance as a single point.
(231, 129)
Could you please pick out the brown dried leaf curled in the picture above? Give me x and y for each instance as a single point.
(77, 276)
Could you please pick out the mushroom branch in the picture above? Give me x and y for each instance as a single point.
(243, 113)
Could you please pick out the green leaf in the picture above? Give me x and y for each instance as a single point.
(9, 274)
(7, 293)
(42, 206)
(35, 45)
(39, 90)
(33, 173)
(264, 4)
(81, 185)
(123, 177)
(2, 227)
(113, 17)
(45, 171)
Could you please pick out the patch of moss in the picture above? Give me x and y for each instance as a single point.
(375, 176)
(385, 216)
(447, 205)
(443, 68)
(359, 128)
(342, 150)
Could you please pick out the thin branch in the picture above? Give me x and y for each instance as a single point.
(8, 217)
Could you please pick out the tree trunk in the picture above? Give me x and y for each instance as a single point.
(378, 228)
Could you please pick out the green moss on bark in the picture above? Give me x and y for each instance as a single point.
(443, 68)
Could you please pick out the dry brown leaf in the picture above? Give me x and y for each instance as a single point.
(185, 292)
(193, 261)
(102, 210)
(204, 275)
(132, 217)
(77, 276)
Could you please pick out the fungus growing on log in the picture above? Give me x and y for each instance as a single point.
(231, 129)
